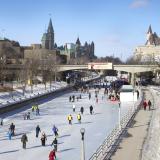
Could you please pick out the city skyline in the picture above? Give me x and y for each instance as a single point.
(115, 27)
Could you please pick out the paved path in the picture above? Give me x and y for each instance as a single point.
(131, 146)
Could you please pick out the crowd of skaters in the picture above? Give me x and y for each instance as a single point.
(43, 138)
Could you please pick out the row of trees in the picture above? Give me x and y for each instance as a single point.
(32, 71)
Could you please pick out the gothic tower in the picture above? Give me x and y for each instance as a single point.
(92, 49)
(48, 38)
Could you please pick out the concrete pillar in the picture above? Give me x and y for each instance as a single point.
(133, 79)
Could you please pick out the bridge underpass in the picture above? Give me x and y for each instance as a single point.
(132, 69)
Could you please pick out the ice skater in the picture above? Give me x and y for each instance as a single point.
(37, 131)
(55, 130)
(43, 139)
(24, 140)
(55, 143)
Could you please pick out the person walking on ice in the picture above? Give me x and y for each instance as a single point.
(70, 119)
(12, 128)
(24, 140)
(91, 109)
(52, 155)
(55, 143)
(74, 107)
(81, 110)
(79, 118)
(37, 130)
(55, 130)
(43, 139)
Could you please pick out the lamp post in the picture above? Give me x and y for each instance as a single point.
(119, 115)
(133, 100)
(82, 130)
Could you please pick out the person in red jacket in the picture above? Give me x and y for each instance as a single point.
(144, 104)
(52, 155)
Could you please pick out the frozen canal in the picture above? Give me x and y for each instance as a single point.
(55, 111)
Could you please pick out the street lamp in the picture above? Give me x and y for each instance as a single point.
(119, 115)
(82, 131)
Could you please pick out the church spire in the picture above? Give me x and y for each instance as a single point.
(149, 29)
(78, 41)
(50, 27)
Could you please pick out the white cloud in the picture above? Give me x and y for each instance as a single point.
(139, 3)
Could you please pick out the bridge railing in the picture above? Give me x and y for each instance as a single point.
(106, 147)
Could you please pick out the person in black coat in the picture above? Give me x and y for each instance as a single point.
(91, 109)
(149, 104)
(12, 128)
(37, 130)
(54, 143)
(81, 110)
(24, 140)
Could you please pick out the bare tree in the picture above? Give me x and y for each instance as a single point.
(52, 67)
(32, 67)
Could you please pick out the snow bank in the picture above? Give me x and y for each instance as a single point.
(151, 148)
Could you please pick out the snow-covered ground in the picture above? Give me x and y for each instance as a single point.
(55, 111)
(17, 94)
(151, 149)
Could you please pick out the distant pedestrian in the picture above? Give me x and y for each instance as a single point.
(81, 110)
(43, 139)
(89, 96)
(37, 130)
(37, 110)
(28, 116)
(91, 109)
(55, 130)
(73, 98)
(79, 118)
(52, 155)
(55, 143)
(12, 128)
(80, 97)
(144, 105)
(149, 104)
(70, 118)
(74, 107)
(96, 100)
(24, 140)
(70, 98)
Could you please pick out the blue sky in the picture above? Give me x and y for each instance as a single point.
(116, 26)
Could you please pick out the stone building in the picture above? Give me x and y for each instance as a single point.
(84, 50)
(150, 52)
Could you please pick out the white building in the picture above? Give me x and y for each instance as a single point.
(150, 52)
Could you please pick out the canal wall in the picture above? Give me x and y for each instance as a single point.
(38, 98)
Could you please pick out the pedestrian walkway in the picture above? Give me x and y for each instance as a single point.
(131, 146)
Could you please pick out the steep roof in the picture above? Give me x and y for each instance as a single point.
(50, 27)
(150, 29)
(78, 41)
